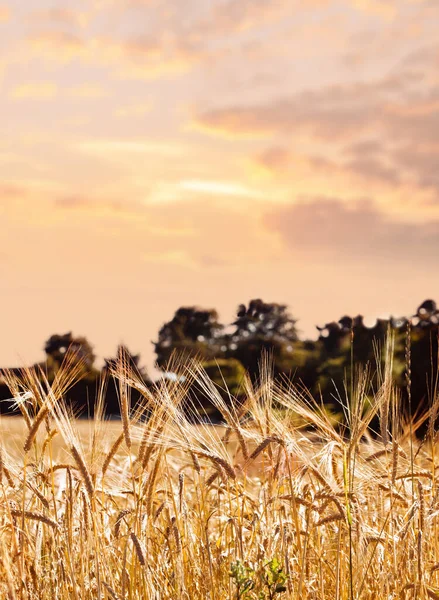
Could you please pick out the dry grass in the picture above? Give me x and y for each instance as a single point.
(277, 503)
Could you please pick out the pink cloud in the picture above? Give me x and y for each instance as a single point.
(5, 13)
(58, 16)
(355, 233)
(41, 90)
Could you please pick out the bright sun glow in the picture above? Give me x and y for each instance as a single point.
(220, 188)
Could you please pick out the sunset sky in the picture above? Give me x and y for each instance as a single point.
(160, 153)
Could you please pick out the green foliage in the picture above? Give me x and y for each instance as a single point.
(260, 328)
(301, 363)
(242, 576)
(323, 366)
(275, 579)
(227, 374)
(193, 332)
(263, 584)
(75, 349)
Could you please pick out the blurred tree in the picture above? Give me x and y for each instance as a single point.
(192, 331)
(262, 328)
(349, 342)
(227, 374)
(424, 352)
(427, 315)
(131, 360)
(75, 351)
(345, 344)
(79, 349)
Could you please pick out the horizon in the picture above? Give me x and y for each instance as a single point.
(304, 334)
(157, 154)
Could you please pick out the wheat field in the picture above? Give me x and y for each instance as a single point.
(279, 502)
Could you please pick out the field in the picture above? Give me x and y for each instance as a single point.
(277, 503)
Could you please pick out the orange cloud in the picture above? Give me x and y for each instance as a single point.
(331, 112)
(232, 123)
(134, 110)
(5, 13)
(59, 16)
(113, 147)
(136, 57)
(87, 90)
(150, 57)
(57, 46)
(196, 229)
(401, 111)
(384, 9)
(95, 203)
(277, 159)
(11, 191)
(219, 188)
(43, 90)
(243, 15)
(353, 233)
(368, 160)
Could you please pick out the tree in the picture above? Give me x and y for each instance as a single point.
(79, 349)
(269, 320)
(345, 344)
(427, 315)
(131, 360)
(260, 328)
(227, 375)
(132, 363)
(424, 352)
(322, 365)
(192, 331)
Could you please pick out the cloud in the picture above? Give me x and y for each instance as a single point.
(332, 112)
(277, 159)
(118, 148)
(237, 122)
(132, 57)
(11, 191)
(364, 168)
(219, 188)
(416, 121)
(205, 234)
(232, 17)
(150, 56)
(43, 90)
(409, 150)
(421, 164)
(328, 230)
(5, 13)
(374, 169)
(386, 10)
(213, 261)
(58, 17)
(57, 46)
(179, 258)
(77, 120)
(73, 202)
(134, 110)
(237, 16)
(368, 129)
(368, 147)
(87, 90)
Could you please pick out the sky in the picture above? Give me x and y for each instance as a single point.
(160, 153)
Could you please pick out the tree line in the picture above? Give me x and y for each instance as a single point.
(326, 366)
